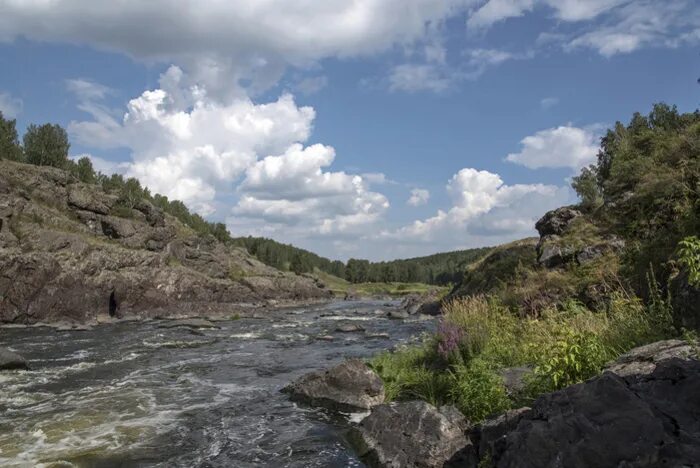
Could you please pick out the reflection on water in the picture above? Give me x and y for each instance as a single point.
(134, 394)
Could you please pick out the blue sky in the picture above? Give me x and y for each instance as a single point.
(374, 129)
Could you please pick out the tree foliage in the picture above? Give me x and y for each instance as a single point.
(9, 142)
(46, 145)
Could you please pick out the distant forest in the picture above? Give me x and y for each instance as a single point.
(48, 145)
(439, 269)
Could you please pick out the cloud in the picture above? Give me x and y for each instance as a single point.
(192, 148)
(494, 11)
(220, 43)
(620, 26)
(102, 165)
(549, 102)
(294, 189)
(564, 146)
(482, 204)
(10, 106)
(311, 85)
(414, 77)
(418, 197)
(640, 24)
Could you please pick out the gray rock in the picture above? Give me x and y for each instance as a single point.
(409, 434)
(644, 359)
(514, 378)
(551, 254)
(643, 412)
(556, 222)
(90, 198)
(397, 314)
(349, 328)
(346, 387)
(189, 323)
(11, 361)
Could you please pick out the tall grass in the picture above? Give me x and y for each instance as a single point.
(478, 336)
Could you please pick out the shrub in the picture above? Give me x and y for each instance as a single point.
(477, 390)
(689, 256)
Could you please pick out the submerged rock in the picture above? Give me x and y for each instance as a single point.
(349, 328)
(410, 434)
(397, 314)
(189, 323)
(11, 361)
(346, 387)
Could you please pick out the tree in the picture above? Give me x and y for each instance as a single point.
(586, 186)
(9, 143)
(46, 145)
(84, 170)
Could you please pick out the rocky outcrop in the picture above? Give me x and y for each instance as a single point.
(427, 304)
(350, 386)
(556, 222)
(409, 434)
(70, 252)
(558, 246)
(11, 361)
(642, 412)
(644, 359)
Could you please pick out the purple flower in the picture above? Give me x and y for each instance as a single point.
(449, 338)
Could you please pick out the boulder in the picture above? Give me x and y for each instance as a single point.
(556, 222)
(409, 434)
(346, 387)
(11, 361)
(551, 254)
(514, 378)
(90, 198)
(349, 328)
(643, 412)
(644, 359)
(188, 323)
(397, 314)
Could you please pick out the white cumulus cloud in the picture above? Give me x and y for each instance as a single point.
(10, 106)
(564, 146)
(418, 197)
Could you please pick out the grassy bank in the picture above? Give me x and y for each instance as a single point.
(478, 337)
(341, 287)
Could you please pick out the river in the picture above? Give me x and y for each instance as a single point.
(135, 394)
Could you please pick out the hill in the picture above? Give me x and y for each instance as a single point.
(438, 269)
(72, 250)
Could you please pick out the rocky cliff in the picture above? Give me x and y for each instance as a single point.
(70, 251)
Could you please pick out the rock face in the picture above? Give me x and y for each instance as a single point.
(11, 361)
(643, 412)
(409, 434)
(350, 386)
(555, 222)
(69, 253)
(557, 246)
(428, 304)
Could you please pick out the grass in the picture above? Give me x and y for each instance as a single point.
(478, 336)
(340, 287)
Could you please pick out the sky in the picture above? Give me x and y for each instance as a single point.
(373, 129)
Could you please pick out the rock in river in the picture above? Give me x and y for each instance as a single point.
(409, 434)
(11, 361)
(188, 323)
(349, 328)
(347, 387)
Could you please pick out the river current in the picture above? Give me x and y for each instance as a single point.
(134, 394)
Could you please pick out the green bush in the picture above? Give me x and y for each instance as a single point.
(477, 390)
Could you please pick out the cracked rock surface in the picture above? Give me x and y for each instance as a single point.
(643, 412)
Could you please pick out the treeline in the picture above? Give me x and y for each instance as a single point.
(48, 145)
(439, 269)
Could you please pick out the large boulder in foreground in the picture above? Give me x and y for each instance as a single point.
(11, 361)
(409, 434)
(350, 386)
(643, 412)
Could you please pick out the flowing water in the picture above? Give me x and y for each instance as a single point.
(136, 394)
